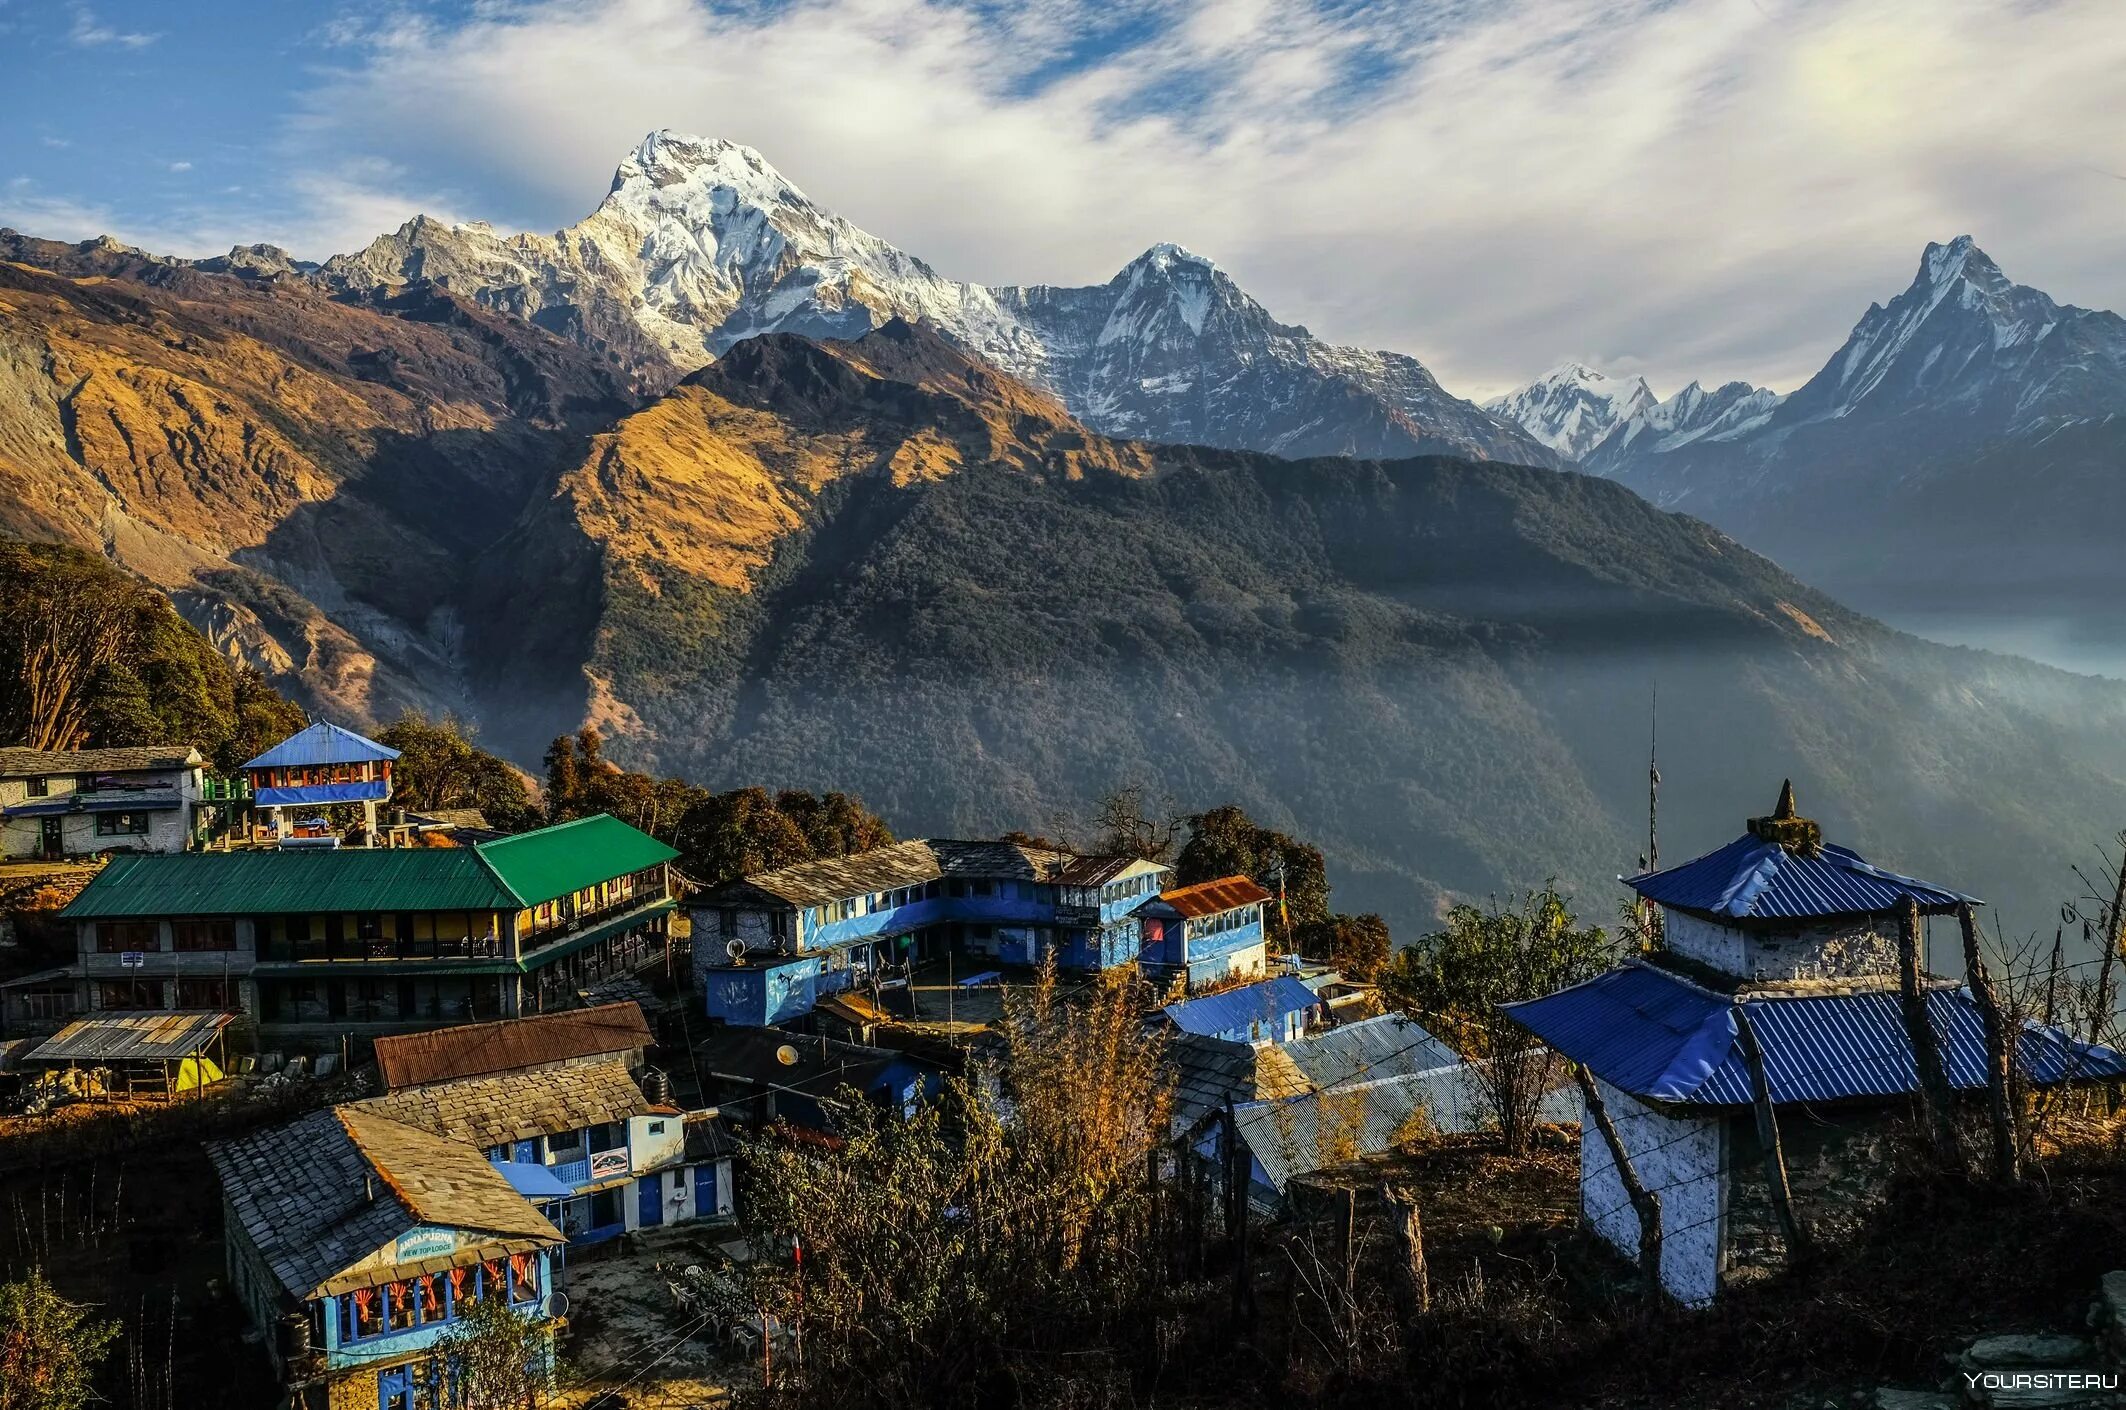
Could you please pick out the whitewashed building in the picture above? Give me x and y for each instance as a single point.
(58, 803)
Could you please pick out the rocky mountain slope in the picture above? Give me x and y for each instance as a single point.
(1572, 408)
(701, 244)
(312, 480)
(1959, 452)
(908, 576)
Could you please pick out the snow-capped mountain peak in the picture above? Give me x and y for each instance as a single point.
(1964, 336)
(1572, 408)
(700, 243)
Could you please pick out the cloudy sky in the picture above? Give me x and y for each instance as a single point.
(1679, 188)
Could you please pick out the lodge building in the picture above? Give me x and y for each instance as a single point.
(314, 944)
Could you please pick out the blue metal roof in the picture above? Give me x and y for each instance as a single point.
(322, 743)
(1758, 880)
(1661, 1037)
(1238, 1008)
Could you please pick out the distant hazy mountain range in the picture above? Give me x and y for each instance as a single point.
(770, 501)
(1964, 451)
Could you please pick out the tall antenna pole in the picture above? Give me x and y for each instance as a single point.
(1653, 785)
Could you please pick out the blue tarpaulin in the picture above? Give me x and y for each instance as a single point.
(533, 1181)
(315, 794)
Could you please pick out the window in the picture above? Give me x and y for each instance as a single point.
(129, 994)
(40, 787)
(119, 936)
(205, 992)
(204, 934)
(612, 1136)
(121, 824)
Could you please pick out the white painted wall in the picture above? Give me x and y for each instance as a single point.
(1680, 1159)
(1803, 952)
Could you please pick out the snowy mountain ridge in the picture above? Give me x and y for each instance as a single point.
(701, 243)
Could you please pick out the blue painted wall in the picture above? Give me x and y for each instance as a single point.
(761, 994)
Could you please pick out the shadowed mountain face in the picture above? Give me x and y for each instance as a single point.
(903, 575)
(881, 565)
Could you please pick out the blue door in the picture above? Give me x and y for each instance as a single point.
(394, 1389)
(652, 1197)
(704, 1192)
(526, 1153)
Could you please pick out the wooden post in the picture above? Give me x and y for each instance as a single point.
(1410, 1269)
(2007, 1162)
(1934, 1100)
(1797, 1242)
(1644, 1202)
(1349, 1244)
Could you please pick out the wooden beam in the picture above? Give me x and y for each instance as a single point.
(1797, 1241)
(1644, 1202)
(1934, 1099)
(2007, 1153)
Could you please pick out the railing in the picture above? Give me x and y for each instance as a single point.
(572, 1172)
(225, 790)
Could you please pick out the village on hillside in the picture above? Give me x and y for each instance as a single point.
(328, 1101)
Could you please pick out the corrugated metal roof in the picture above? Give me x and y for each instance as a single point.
(1385, 1046)
(509, 1044)
(1753, 879)
(555, 861)
(322, 743)
(1659, 1036)
(125, 1035)
(1209, 898)
(1236, 1009)
(306, 880)
(147, 758)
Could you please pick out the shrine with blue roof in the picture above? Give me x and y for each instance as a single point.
(1795, 942)
(320, 766)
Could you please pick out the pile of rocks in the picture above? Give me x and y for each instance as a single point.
(2036, 1371)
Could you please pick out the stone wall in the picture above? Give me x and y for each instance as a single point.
(1838, 1166)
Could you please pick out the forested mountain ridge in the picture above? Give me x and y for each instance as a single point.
(1439, 668)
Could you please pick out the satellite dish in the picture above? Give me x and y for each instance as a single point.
(786, 1055)
(735, 948)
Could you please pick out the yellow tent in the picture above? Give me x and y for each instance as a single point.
(194, 1073)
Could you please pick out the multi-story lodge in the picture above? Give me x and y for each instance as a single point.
(78, 802)
(316, 944)
(767, 947)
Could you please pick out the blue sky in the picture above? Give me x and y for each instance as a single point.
(1679, 188)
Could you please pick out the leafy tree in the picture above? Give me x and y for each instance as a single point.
(90, 657)
(439, 766)
(729, 835)
(1359, 946)
(1455, 979)
(496, 1357)
(833, 824)
(49, 1347)
(1225, 841)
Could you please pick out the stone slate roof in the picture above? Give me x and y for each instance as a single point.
(324, 1192)
(29, 763)
(510, 1044)
(516, 1106)
(914, 863)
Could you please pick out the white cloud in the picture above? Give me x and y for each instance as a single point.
(180, 166)
(90, 32)
(1680, 188)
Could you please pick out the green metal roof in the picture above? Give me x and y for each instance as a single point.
(554, 861)
(504, 875)
(263, 882)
